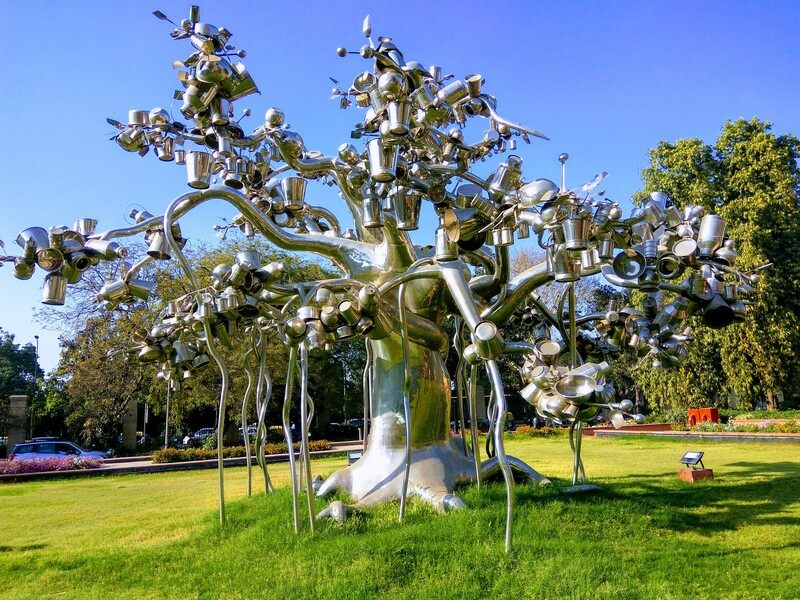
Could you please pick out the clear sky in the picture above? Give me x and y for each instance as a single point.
(604, 80)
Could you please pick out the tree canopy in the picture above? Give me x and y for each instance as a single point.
(18, 369)
(96, 377)
(750, 177)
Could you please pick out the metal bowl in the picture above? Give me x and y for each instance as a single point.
(576, 388)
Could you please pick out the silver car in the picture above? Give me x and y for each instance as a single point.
(52, 449)
(202, 434)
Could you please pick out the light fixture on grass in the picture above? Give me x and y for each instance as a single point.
(692, 458)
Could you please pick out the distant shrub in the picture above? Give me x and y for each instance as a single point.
(171, 455)
(674, 415)
(790, 427)
(40, 465)
(530, 431)
(275, 434)
(739, 413)
(765, 427)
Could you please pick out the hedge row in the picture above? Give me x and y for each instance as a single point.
(766, 427)
(171, 455)
(529, 431)
(41, 465)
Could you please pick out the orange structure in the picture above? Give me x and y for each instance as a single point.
(702, 415)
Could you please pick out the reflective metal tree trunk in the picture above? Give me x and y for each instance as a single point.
(438, 463)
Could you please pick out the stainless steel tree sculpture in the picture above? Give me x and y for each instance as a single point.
(394, 294)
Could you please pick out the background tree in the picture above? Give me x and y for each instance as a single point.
(82, 396)
(97, 393)
(750, 177)
(18, 367)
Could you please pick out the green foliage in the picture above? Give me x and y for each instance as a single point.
(750, 177)
(533, 432)
(17, 370)
(759, 414)
(209, 443)
(170, 455)
(327, 375)
(96, 390)
(89, 392)
(765, 427)
(667, 415)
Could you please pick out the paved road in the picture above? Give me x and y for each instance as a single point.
(135, 464)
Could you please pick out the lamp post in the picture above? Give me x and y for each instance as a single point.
(35, 383)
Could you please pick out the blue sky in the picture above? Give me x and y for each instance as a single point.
(604, 80)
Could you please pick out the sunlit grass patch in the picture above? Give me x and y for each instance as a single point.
(646, 534)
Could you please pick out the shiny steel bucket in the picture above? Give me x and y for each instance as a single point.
(165, 151)
(158, 248)
(85, 227)
(407, 207)
(373, 213)
(54, 289)
(711, 234)
(294, 192)
(399, 114)
(198, 169)
(382, 160)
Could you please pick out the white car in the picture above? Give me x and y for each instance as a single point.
(52, 449)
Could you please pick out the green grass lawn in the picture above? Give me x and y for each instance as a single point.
(646, 535)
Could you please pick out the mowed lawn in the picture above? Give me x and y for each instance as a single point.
(645, 535)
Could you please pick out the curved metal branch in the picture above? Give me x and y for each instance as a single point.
(351, 256)
(496, 283)
(519, 287)
(262, 401)
(453, 275)
(473, 421)
(401, 301)
(223, 396)
(245, 434)
(575, 445)
(459, 348)
(306, 166)
(136, 268)
(305, 457)
(508, 123)
(320, 212)
(287, 432)
(454, 170)
(500, 399)
(481, 258)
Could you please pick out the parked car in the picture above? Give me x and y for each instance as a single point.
(53, 449)
(142, 439)
(202, 434)
(341, 432)
(251, 432)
